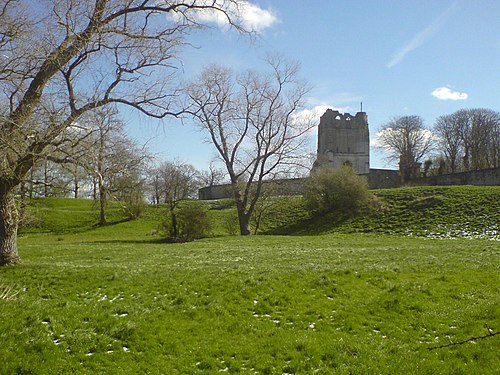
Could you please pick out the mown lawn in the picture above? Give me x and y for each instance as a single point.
(95, 302)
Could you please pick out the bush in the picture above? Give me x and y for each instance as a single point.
(134, 207)
(338, 189)
(193, 221)
(29, 217)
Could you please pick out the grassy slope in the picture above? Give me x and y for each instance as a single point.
(442, 212)
(112, 300)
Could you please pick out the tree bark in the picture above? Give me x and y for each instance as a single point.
(102, 204)
(243, 215)
(9, 220)
(244, 220)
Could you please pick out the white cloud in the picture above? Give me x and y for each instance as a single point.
(445, 93)
(421, 37)
(313, 114)
(251, 16)
(256, 18)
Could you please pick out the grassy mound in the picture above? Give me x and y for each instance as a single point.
(432, 212)
(437, 212)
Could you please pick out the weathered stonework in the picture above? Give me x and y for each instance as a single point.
(344, 139)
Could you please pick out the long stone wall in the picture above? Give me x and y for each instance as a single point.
(377, 179)
(292, 186)
(483, 177)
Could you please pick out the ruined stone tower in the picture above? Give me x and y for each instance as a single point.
(344, 139)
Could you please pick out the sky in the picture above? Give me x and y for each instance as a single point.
(398, 57)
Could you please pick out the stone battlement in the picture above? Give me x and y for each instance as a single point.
(344, 139)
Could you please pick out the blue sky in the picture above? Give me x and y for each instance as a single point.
(426, 58)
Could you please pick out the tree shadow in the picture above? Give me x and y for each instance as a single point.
(313, 226)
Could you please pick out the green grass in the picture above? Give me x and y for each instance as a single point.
(267, 304)
(114, 300)
(431, 212)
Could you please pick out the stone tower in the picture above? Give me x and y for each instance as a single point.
(344, 139)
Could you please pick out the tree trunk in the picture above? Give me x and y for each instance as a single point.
(244, 219)
(102, 204)
(30, 186)
(244, 224)
(45, 180)
(23, 189)
(76, 187)
(9, 219)
(243, 216)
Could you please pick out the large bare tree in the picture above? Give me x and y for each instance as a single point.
(251, 120)
(60, 59)
(406, 140)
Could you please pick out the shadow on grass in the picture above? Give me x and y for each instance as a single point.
(313, 226)
(131, 241)
(156, 241)
(74, 230)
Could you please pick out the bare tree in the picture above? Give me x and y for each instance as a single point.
(406, 139)
(112, 158)
(469, 139)
(213, 175)
(448, 129)
(63, 58)
(249, 118)
(177, 181)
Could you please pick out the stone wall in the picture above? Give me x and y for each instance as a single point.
(377, 179)
(215, 192)
(383, 179)
(483, 177)
(292, 186)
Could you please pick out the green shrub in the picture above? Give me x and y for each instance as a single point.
(338, 189)
(193, 221)
(134, 207)
(29, 217)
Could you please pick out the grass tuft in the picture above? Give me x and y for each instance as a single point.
(8, 293)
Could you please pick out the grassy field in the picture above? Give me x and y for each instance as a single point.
(114, 300)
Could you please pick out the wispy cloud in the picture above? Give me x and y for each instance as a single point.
(250, 15)
(446, 93)
(421, 37)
